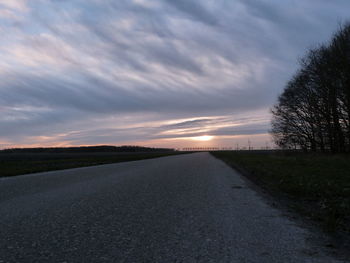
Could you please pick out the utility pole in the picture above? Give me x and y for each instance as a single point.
(248, 144)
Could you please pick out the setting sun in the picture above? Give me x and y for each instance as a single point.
(203, 138)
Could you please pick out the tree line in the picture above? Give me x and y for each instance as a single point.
(88, 149)
(312, 113)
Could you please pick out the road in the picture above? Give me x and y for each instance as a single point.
(184, 208)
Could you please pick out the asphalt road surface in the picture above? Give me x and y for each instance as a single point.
(184, 208)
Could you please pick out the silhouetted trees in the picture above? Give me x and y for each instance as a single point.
(88, 149)
(313, 111)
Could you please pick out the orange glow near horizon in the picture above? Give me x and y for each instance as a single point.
(257, 141)
(203, 138)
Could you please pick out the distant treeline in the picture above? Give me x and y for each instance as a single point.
(313, 111)
(86, 149)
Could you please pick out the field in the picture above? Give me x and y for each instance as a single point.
(317, 186)
(12, 164)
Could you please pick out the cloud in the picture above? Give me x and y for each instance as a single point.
(133, 70)
(19, 5)
(195, 10)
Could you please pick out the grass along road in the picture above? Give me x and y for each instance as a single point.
(317, 186)
(12, 164)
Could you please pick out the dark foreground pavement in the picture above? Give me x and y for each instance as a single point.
(185, 208)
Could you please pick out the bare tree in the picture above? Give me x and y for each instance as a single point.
(313, 111)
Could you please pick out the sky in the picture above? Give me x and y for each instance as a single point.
(160, 73)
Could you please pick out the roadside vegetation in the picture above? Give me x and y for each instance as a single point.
(313, 111)
(23, 161)
(315, 185)
(311, 117)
